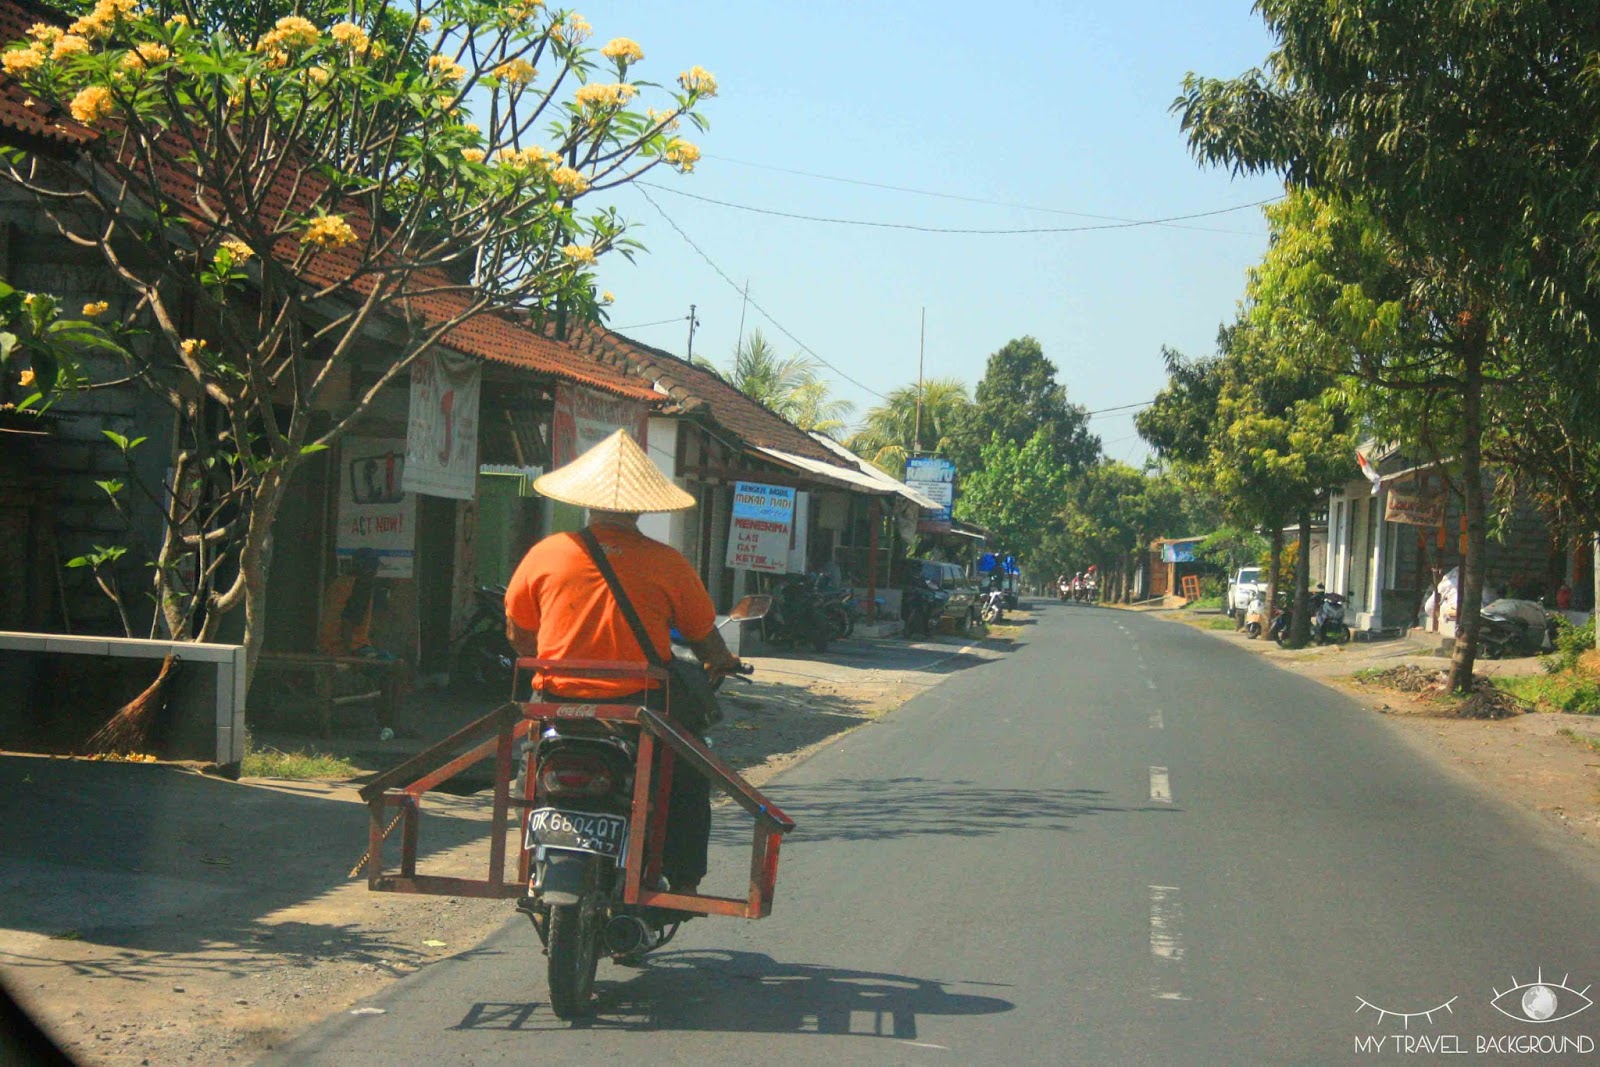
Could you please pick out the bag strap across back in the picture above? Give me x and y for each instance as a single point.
(598, 554)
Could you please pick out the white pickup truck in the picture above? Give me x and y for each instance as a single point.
(1246, 582)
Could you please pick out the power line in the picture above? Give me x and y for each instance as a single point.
(957, 196)
(738, 289)
(642, 325)
(1124, 407)
(955, 230)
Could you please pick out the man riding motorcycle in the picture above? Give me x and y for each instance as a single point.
(559, 606)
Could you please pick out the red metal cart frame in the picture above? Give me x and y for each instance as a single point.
(496, 735)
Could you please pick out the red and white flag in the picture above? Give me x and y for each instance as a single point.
(1370, 471)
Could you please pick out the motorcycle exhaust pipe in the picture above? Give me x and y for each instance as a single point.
(625, 934)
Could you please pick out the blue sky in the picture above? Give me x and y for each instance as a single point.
(1053, 105)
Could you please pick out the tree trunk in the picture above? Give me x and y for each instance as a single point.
(1272, 573)
(1300, 627)
(1471, 599)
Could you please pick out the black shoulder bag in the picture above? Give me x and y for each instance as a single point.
(690, 697)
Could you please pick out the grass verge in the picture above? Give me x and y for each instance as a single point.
(1588, 741)
(271, 763)
(1563, 691)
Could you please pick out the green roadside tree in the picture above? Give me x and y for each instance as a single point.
(1018, 398)
(270, 193)
(1464, 131)
(1013, 491)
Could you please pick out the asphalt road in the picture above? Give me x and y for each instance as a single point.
(1125, 843)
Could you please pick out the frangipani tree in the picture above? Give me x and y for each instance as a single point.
(272, 196)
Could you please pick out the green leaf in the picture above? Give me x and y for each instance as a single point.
(308, 449)
(117, 439)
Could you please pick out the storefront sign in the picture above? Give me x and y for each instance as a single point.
(935, 479)
(442, 434)
(584, 418)
(763, 518)
(374, 510)
(1414, 508)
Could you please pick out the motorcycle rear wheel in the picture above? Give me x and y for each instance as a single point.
(574, 950)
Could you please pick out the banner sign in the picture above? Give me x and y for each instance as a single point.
(763, 517)
(1413, 508)
(583, 418)
(442, 434)
(935, 479)
(375, 511)
(1179, 551)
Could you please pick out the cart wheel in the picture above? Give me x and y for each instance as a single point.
(574, 936)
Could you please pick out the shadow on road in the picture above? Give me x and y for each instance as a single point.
(851, 810)
(749, 992)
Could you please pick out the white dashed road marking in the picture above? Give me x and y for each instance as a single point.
(1156, 721)
(1160, 786)
(1166, 942)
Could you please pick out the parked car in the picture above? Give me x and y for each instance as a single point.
(1245, 584)
(962, 606)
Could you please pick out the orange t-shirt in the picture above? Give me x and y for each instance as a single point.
(558, 593)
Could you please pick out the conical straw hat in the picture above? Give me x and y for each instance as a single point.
(614, 475)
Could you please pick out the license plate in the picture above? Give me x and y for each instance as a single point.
(584, 831)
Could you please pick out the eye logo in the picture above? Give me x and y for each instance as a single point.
(1405, 1017)
(1540, 1001)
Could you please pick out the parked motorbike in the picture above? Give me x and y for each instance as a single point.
(577, 831)
(800, 615)
(1327, 621)
(1255, 615)
(484, 660)
(1510, 627)
(921, 605)
(992, 606)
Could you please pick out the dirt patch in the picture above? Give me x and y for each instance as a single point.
(1486, 701)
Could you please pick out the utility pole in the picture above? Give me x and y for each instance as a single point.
(745, 303)
(693, 322)
(922, 339)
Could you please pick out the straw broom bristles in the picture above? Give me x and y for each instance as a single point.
(130, 726)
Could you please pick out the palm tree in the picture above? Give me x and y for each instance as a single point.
(890, 433)
(787, 386)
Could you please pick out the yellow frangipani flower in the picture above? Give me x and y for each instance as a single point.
(21, 61)
(98, 307)
(294, 31)
(91, 104)
(446, 69)
(580, 254)
(44, 32)
(25, 379)
(517, 71)
(681, 154)
(698, 79)
(154, 52)
(328, 231)
(318, 75)
(527, 158)
(574, 31)
(69, 44)
(608, 297)
(238, 249)
(569, 181)
(472, 155)
(177, 20)
(595, 95)
(424, 25)
(350, 36)
(624, 49)
(192, 348)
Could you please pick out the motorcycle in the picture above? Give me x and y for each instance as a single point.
(921, 606)
(1509, 627)
(578, 830)
(992, 606)
(1255, 615)
(1327, 621)
(799, 615)
(484, 660)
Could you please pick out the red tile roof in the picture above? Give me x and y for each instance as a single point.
(699, 391)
